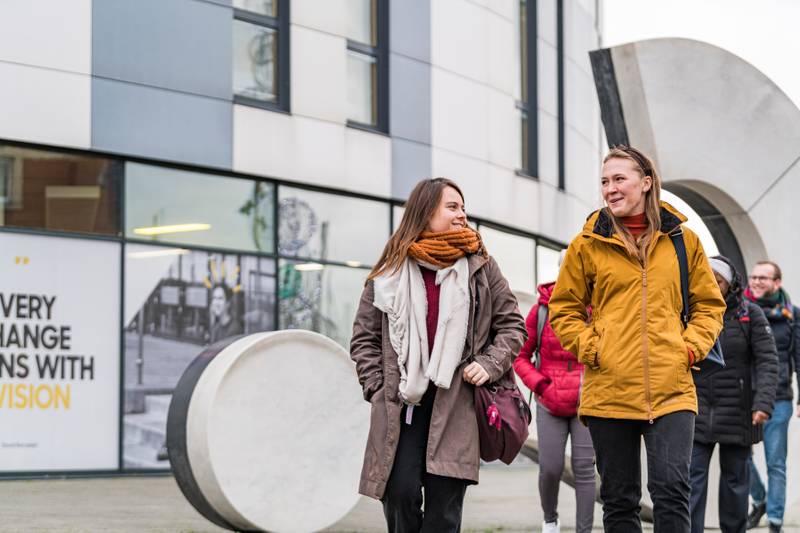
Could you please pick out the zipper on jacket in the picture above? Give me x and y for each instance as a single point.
(645, 351)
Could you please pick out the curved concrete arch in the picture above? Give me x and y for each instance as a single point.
(722, 134)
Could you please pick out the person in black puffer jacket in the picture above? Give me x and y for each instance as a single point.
(733, 403)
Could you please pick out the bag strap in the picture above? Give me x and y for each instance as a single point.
(683, 265)
(541, 320)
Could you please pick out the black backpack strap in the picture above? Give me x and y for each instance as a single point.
(683, 264)
(541, 320)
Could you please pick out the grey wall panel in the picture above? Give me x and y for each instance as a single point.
(410, 104)
(410, 89)
(410, 29)
(148, 122)
(411, 162)
(185, 45)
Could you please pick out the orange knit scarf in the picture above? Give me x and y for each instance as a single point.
(444, 248)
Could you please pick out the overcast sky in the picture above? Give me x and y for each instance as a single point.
(765, 33)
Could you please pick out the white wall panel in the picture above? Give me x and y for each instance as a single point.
(503, 54)
(547, 82)
(310, 151)
(582, 167)
(504, 135)
(45, 106)
(547, 20)
(459, 114)
(548, 148)
(262, 142)
(582, 110)
(328, 16)
(319, 75)
(47, 33)
(459, 37)
(507, 9)
(368, 162)
(471, 174)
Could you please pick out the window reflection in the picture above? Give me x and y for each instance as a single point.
(262, 7)
(546, 264)
(178, 206)
(311, 298)
(361, 21)
(334, 228)
(177, 302)
(254, 61)
(59, 191)
(515, 256)
(362, 84)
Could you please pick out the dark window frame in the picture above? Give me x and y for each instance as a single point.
(562, 167)
(529, 105)
(380, 52)
(280, 25)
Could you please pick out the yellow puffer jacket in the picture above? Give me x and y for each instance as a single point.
(635, 348)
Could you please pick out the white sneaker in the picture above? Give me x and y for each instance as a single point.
(551, 527)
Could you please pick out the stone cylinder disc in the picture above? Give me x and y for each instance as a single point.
(267, 432)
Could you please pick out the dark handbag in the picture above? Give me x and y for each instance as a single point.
(715, 355)
(503, 417)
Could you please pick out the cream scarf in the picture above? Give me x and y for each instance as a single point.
(402, 297)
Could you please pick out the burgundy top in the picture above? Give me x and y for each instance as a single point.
(432, 292)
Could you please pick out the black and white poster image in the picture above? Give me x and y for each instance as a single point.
(178, 301)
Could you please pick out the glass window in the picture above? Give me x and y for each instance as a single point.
(361, 21)
(515, 255)
(255, 58)
(177, 302)
(59, 191)
(367, 63)
(179, 206)
(546, 264)
(322, 226)
(529, 100)
(321, 298)
(262, 7)
(361, 94)
(397, 216)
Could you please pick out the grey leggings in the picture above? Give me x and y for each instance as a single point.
(552, 433)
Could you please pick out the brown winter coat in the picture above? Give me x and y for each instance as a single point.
(495, 334)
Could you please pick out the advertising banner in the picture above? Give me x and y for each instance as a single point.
(59, 353)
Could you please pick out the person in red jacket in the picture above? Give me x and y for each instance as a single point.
(556, 382)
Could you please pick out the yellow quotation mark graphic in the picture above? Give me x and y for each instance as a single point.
(21, 260)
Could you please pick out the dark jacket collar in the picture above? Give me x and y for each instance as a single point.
(604, 227)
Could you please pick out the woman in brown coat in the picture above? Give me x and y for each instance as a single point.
(436, 319)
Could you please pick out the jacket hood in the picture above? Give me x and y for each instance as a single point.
(599, 223)
(545, 291)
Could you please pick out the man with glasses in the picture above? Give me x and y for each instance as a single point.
(765, 290)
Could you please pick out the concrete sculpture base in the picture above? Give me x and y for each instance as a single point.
(266, 432)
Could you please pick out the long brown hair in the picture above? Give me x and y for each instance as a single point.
(637, 247)
(420, 208)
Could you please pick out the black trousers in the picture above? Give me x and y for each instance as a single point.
(402, 501)
(734, 486)
(617, 445)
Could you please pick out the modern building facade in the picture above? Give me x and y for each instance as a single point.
(176, 172)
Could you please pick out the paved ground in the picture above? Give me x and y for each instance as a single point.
(505, 501)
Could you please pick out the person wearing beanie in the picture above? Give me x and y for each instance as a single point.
(766, 291)
(733, 403)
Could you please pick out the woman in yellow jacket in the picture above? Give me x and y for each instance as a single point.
(636, 351)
